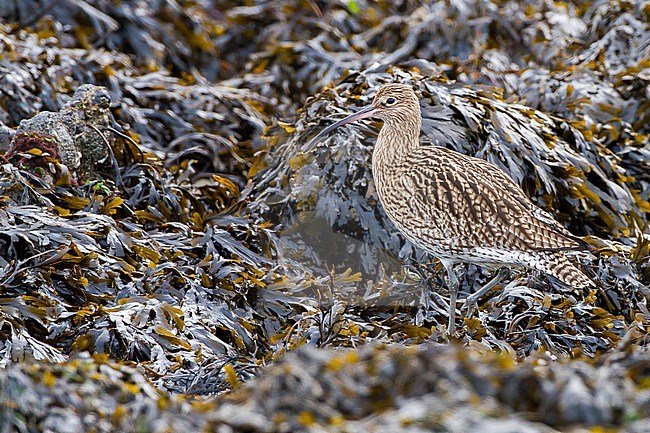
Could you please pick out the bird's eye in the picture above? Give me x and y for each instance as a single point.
(390, 101)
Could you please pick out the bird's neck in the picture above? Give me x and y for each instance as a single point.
(395, 142)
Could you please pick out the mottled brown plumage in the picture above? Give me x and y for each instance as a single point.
(457, 207)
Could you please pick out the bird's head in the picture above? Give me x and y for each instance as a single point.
(395, 104)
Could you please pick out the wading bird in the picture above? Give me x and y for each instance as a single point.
(456, 207)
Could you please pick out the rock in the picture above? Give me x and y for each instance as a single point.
(76, 137)
(6, 135)
(38, 132)
(87, 116)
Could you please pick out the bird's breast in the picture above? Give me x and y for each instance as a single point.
(405, 204)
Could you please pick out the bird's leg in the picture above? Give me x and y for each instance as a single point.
(424, 312)
(453, 295)
(471, 300)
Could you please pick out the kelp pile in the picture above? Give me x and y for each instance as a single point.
(165, 233)
(383, 388)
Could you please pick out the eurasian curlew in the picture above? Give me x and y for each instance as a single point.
(456, 207)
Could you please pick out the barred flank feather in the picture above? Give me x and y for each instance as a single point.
(560, 267)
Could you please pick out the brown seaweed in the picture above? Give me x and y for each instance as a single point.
(201, 252)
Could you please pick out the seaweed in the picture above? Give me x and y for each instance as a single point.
(182, 262)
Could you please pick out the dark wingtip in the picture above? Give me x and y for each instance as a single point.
(584, 245)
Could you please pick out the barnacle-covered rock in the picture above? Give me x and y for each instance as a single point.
(78, 136)
(88, 117)
(6, 135)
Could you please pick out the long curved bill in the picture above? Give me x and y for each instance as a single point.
(363, 114)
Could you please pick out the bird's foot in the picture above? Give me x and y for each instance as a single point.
(451, 326)
(470, 303)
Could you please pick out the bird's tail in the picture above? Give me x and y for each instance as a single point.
(561, 268)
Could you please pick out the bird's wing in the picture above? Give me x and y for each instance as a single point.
(481, 205)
